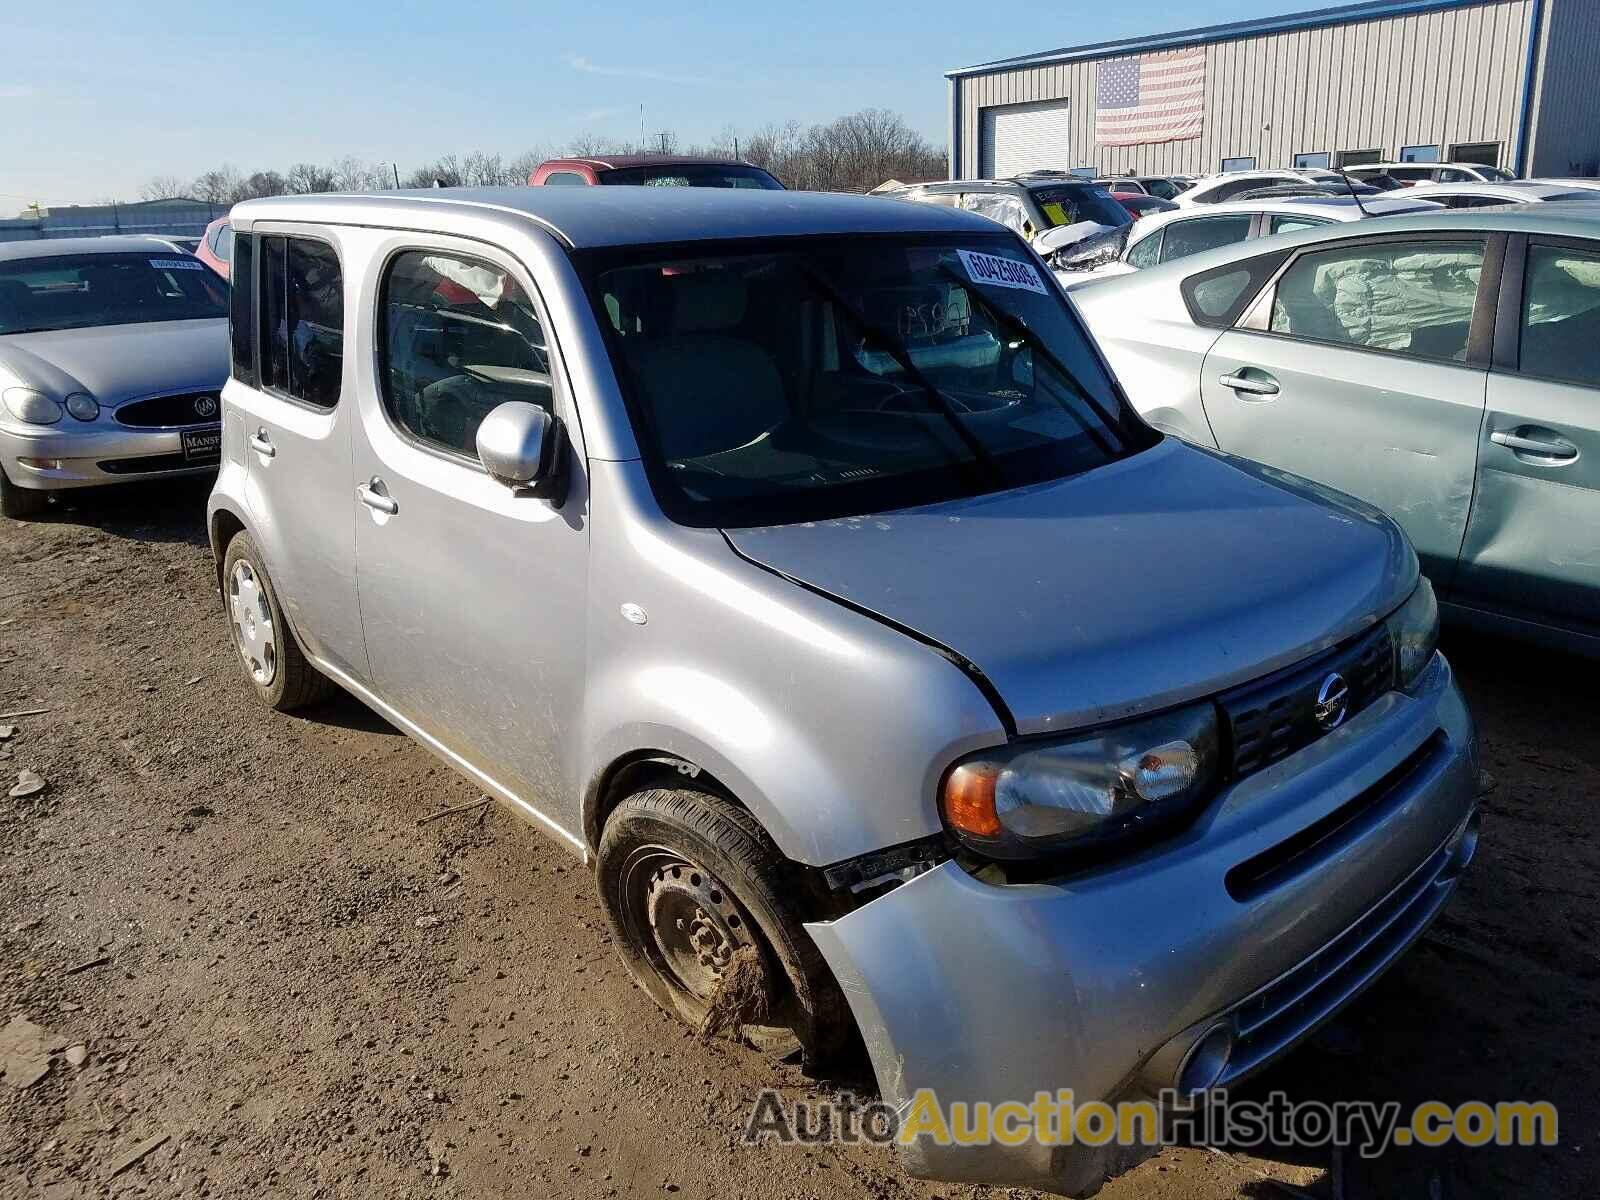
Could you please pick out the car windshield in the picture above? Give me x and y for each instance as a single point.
(820, 377)
(1497, 173)
(714, 175)
(74, 291)
(1067, 205)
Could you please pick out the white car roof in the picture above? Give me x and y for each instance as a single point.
(1523, 190)
(1331, 208)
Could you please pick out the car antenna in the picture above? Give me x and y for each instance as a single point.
(1353, 194)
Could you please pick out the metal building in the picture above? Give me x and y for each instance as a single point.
(1509, 82)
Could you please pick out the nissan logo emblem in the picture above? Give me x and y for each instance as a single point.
(1333, 699)
(205, 406)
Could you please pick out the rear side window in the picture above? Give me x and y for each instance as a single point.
(1217, 297)
(1184, 238)
(1561, 315)
(459, 338)
(1285, 224)
(242, 311)
(1412, 297)
(302, 319)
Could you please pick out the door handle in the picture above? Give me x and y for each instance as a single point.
(262, 444)
(1559, 451)
(1246, 383)
(375, 499)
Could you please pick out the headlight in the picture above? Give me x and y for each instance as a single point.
(83, 406)
(1415, 629)
(35, 408)
(1036, 799)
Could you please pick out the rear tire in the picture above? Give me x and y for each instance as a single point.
(688, 880)
(20, 502)
(274, 665)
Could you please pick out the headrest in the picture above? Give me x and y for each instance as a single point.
(707, 301)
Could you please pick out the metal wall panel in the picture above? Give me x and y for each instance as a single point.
(1440, 78)
(1566, 125)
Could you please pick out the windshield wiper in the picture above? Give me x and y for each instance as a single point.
(901, 355)
(1020, 328)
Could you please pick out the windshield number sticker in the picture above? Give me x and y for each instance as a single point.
(177, 264)
(995, 271)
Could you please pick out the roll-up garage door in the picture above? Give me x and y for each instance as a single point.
(1014, 138)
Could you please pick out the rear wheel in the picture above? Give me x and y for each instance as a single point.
(20, 501)
(274, 665)
(695, 891)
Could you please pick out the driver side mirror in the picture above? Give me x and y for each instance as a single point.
(523, 446)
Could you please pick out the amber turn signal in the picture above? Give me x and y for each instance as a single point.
(969, 799)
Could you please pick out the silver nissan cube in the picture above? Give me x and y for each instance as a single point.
(796, 562)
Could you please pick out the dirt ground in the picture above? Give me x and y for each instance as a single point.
(270, 963)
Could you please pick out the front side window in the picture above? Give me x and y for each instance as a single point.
(242, 313)
(302, 319)
(1477, 201)
(1145, 252)
(1410, 297)
(1184, 238)
(458, 338)
(1561, 315)
(1164, 188)
(816, 377)
(76, 291)
(224, 247)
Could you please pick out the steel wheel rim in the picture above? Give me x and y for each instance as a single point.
(253, 629)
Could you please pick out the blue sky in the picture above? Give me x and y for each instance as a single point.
(100, 95)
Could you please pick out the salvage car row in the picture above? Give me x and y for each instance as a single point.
(832, 596)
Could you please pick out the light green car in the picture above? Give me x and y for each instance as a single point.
(1444, 367)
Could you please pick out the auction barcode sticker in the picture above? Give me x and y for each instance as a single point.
(177, 264)
(1001, 272)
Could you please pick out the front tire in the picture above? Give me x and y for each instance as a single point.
(689, 882)
(274, 665)
(20, 502)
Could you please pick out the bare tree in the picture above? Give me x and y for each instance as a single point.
(258, 184)
(216, 186)
(482, 170)
(162, 187)
(305, 179)
(445, 170)
(350, 174)
(521, 168)
(588, 144)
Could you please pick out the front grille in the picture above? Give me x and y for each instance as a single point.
(1272, 718)
(166, 412)
(150, 462)
(1287, 1009)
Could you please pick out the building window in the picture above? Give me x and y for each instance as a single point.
(1419, 154)
(1355, 158)
(1320, 159)
(1484, 153)
(1238, 164)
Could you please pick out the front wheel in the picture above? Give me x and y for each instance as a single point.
(695, 891)
(19, 502)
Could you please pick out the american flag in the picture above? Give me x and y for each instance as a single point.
(1151, 98)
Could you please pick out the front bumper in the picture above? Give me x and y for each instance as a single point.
(996, 993)
(94, 453)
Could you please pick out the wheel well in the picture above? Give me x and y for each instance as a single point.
(647, 769)
(224, 525)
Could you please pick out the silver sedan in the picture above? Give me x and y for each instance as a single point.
(1445, 367)
(113, 352)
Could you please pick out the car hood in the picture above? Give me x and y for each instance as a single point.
(114, 363)
(1165, 577)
